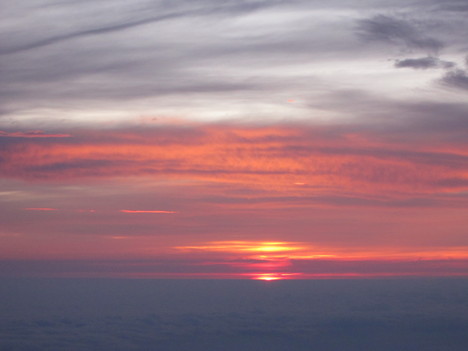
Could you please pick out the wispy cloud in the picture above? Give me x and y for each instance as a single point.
(32, 134)
(424, 63)
(148, 211)
(260, 156)
(166, 13)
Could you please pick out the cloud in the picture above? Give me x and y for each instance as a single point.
(148, 211)
(255, 155)
(424, 63)
(32, 134)
(236, 181)
(457, 6)
(77, 52)
(453, 182)
(203, 60)
(290, 260)
(206, 8)
(342, 263)
(404, 120)
(363, 150)
(457, 79)
(89, 32)
(396, 31)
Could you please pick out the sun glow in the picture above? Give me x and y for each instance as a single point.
(246, 246)
(268, 277)
(274, 276)
(267, 258)
(279, 260)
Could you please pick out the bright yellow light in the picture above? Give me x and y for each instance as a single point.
(270, 248)
(268, 277)
(245, 246)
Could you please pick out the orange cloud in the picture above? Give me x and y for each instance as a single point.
(294, 161)
(244, 246)
(292, 260)
(147, 211)
(278, 201)
(264, 250)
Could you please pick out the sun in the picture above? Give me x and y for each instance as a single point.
(268, 277)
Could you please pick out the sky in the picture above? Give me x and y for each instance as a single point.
(234, 139)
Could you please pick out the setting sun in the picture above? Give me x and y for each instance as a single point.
(273, 247)
(267, 277)
(274, 276)
(246, 246)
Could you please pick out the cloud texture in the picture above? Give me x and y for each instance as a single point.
(129, 130)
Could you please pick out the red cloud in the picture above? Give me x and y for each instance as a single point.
(148, 211)
(40, 209)
(289, 161)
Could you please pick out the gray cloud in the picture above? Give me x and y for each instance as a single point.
(424, 63)
(399, 32)
(151, 50)
(457, 78)
(188, 57)
(348, 201)
(207, 8)
(90, 32)
(399, 120)
(457, 6)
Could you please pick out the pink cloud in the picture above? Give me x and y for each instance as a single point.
(148, 211)
(40, 209)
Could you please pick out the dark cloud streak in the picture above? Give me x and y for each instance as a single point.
(90, 32)
(424, 63)
(210, 10)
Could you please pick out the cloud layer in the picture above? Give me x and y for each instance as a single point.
(128, 130)
(67, 64)
(232, 315)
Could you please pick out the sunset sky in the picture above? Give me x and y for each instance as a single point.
(254, 139)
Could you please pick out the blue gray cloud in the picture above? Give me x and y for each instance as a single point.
(457, 78)
(424, 63)
(398, 31)
(64, 62)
